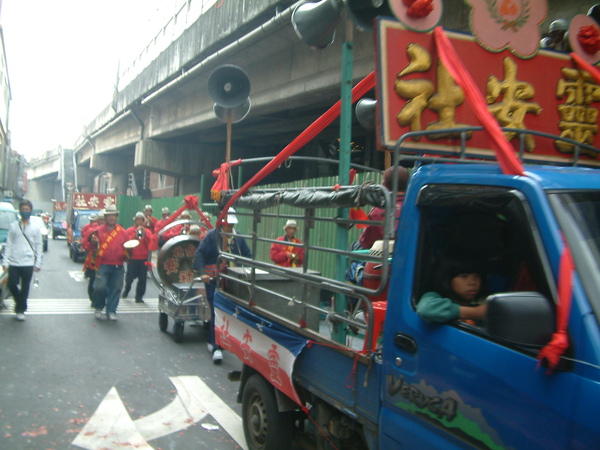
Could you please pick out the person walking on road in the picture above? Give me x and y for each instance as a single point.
(136, 265)
(89, 242)
(22, 256)
(205, 262)
(111, 254)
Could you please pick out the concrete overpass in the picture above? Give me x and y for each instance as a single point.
(51, 175)
(161, 117)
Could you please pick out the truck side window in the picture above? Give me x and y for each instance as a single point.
(486, 224)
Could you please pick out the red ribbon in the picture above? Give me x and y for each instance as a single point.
(505, 154)
(189, 202)
(559, 343)
(583, 64)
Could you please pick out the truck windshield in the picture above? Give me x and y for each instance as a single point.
(579, 216)
(82, 221)
(60, 216)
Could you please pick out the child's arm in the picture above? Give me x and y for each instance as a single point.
(473, 312)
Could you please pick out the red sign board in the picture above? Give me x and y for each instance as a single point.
(60, 206)
(93, 201)
(546, 93)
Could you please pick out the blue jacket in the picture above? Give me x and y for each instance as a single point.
(208, 250)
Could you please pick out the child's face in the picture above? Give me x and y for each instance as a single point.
(466, 285)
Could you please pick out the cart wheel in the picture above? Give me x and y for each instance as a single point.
(163, 321)
(178, 331)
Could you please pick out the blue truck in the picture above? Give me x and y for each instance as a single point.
(328, 363)
(415, 384)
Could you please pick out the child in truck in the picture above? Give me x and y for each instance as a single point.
(458, 294)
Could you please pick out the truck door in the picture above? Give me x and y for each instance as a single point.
(453, 385)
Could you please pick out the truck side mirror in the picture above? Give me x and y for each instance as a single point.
(520, 317)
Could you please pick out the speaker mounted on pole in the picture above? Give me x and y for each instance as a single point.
(228, 86)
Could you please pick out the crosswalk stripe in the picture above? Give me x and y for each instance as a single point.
(46, 306)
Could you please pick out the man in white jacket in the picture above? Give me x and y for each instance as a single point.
(22, 256)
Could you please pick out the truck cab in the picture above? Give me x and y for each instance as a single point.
(80, 219)
(457, 383)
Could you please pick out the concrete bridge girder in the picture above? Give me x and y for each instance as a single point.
(115, 162)
(176, 158)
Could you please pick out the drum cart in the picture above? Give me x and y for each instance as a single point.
(184, 302)
(181, 296)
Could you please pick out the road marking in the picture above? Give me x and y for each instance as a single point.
(227, 418)
(111, 425)
(78, 276)
(46, 306)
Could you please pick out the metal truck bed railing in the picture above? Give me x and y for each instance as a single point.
(246, 288)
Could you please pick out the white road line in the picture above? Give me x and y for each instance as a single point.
(227, 418)
(47, 306)
(178, 415)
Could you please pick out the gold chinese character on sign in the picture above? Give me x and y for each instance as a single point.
(510, 111)
(579, 120)
(420, 94)
(418, 91)
(444, 102)
(80, 201)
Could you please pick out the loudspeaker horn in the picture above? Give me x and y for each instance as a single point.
(365, 112)
(315, 22)
(238, 113)
(363, 12)
(229, 86)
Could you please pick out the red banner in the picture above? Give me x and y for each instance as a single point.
(93, 201)
(547, 93)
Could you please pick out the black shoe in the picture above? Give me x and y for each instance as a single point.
(125, 293)
(139, 300)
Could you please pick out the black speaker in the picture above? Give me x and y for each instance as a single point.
(238, 113)
(315, 22)
(365, 112)
(229, 86)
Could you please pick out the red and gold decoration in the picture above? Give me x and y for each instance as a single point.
(417, 93)
(93, 201)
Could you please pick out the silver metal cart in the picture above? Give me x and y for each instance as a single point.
(182, 297)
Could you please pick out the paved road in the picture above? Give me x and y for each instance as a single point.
(68, 380)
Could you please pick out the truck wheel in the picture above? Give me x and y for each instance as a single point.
(178, 331)
(264, 427)
(163, 321)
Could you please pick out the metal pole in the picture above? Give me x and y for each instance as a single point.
(341, 303)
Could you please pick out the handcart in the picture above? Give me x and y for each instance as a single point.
(181, 296)
(185, 302)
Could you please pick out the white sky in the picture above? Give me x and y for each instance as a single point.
(62, 58)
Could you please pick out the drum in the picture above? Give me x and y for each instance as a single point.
(175, 260)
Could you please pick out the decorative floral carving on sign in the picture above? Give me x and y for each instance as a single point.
(508, 24)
